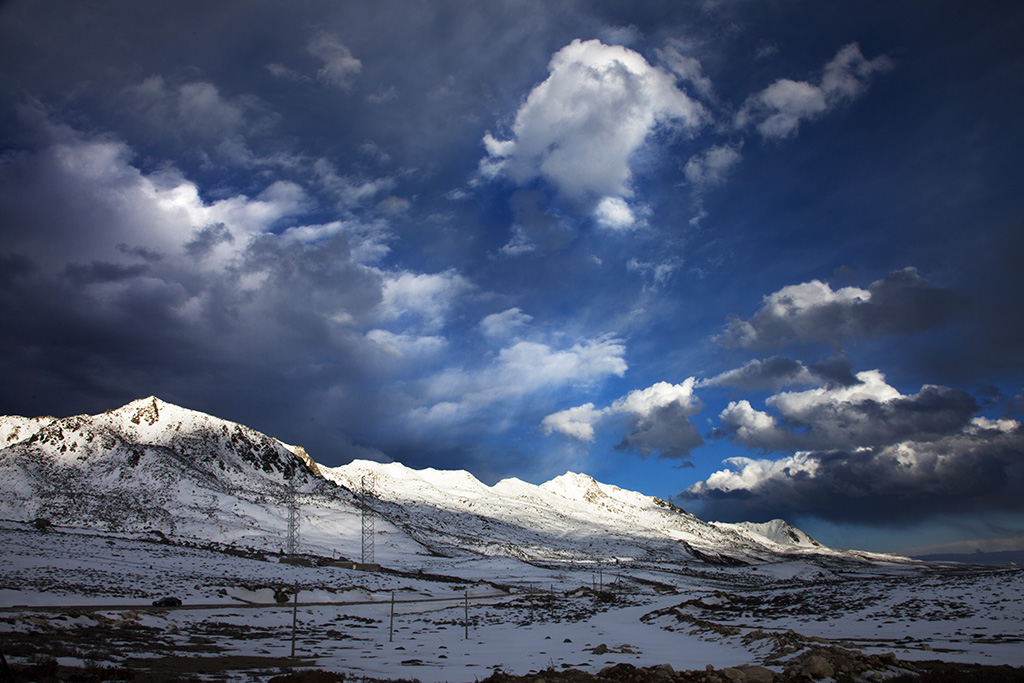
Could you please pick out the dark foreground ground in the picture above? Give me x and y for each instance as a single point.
(829, 664)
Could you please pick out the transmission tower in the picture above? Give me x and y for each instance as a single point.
(292, 543)
(367, 485)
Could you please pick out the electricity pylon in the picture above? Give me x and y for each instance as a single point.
(292, 543)
(367, 484)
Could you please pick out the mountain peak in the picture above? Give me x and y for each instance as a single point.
(777, 531)
(575, 486)
(143, 410)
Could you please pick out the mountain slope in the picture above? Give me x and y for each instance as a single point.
(151, 465)
(571, 518)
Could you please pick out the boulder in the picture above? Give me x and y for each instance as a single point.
(817, 667)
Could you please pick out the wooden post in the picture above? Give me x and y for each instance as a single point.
(391, 626)
(295, 617)
(466, 603)
(5, 670)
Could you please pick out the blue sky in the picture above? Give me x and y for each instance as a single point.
(761, 259)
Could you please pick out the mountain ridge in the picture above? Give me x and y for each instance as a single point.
(152, 465)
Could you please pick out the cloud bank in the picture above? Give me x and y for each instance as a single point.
(974, 470)
(901, 303)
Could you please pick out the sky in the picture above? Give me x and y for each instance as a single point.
(761, 259)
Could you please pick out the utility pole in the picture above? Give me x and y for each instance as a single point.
(295, 617)
(366, 492)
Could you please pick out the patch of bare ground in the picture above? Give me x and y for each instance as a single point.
(169, 669)
(811, 666)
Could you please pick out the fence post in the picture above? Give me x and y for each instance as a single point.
(295, 617)
(8, 676)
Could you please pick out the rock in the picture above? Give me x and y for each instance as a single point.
(817, 667)
(733, 675)
(757, 674)
(709, 667)
(601, 649)
(620, 672)
(663, 668)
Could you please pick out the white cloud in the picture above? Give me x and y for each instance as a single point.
(750, 474)
(407, 345)
(348, 191)
(644, 402)
(801, 405)
(580, 128)
(533, 365)
(339, 66)
(975, 468)
(526, 368)
(778, 110)
(197, 107)
(688, 69)
(519, 244)
(785, 104)
(869, 413)
(284, 73)
(770, 373)
(576, 423)
(901, 302)
(393, 205)
(428, 297)
(114, 203)
(656, 420)
(711, 166)
(505, 324)
(657, 273)
(847, 75)
(614, 213)
(748, 425)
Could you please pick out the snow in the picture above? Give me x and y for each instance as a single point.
(151, 500)
(344, 615)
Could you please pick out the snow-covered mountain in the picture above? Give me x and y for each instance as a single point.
(151, 465)
(572, 518)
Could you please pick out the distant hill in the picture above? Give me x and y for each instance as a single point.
(977, 557)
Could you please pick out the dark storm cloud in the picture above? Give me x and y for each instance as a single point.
(836, 370)
(14, 267)
(665, 430)
(205, 239)
(101, 271)
(140, 252)
(869, 414)
(127, 283)
(769, 373)
(901, 303)
(978, 470)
